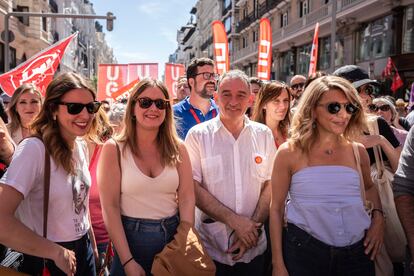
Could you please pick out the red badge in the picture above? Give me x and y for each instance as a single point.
(258, 159)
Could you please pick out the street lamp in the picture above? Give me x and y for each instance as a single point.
(109, 18)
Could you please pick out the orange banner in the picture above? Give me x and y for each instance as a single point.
(124, 91)
(221, 47)
(142, 70)
(314, 51)
(264, 65)
(172, 73)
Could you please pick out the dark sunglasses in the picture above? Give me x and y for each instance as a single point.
(335, 107)
(369, 89)
(76, 108)
(297, 86)
(208, 75)
(375, 108)
(146, 102)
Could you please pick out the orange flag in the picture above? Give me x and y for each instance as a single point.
(221, 47)
(124, 91)
(314, 51)
(110, 78)
(172, 73)
(264, 65)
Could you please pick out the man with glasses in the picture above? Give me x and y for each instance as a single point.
(232, 160)
(297, 83)
(199, 106)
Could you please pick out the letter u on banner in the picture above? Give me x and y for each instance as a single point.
(172, 73)
(221, 47)
(264, 65)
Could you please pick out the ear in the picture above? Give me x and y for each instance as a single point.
(191, 82)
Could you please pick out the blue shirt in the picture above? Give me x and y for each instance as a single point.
(187, 116)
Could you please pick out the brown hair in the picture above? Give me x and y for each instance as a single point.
(267, 93)
(167, 139)
(45, 127)
(14, 115)
(101, 129)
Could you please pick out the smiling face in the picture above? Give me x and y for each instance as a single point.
(204, 87)
(70, 125)
(332, 123)
(234, 96)
(28, 106)
(152, 117)
(277, 108)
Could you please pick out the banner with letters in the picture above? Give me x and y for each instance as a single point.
(172, 72)
(112, 77)
(264, 65)
(221, 47)
(38, 70)
(314, 52)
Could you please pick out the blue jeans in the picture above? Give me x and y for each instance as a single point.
(305, 255)
(255, 267)
(146, 238)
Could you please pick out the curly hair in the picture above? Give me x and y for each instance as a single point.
(302, 133)
(167, 139)
(44, 125)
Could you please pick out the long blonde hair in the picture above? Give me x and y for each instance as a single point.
(303, 134)
(167, 139)
(44, 125)
(15, 122)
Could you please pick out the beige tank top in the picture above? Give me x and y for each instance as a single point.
(146, 197)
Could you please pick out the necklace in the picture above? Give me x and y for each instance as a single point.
(329, 151)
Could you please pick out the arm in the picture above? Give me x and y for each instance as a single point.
(405, 209)
(374, 237)
(186, 197)
(16, 235)
(280, 183)
(261, 213)
(6, 143)
(109, 191)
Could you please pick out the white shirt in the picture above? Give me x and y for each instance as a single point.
(68, 195)
(233, 171)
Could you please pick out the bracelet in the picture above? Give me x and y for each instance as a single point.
(377, 210)
(130, 259)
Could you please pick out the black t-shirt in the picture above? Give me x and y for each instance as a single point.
(386, 131)
(404, 123)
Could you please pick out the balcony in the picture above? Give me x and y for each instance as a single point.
(245, 52)
(249, 19)
(267, 6)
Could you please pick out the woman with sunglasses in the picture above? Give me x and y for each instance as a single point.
(328, 231)
(150, 184)
(272, 108)
(24, 106)
(385, 108)
(68, 111)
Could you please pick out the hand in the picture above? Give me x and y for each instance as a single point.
(280, 271)
(370, 141)
(134, 269)
(246, 231)
(66, 261)
(375, 236)
(237, 245)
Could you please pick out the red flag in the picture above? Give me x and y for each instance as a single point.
(314, 52)
(38, 70)
(142, 70)
(110, 78)
(387, 72)
(396, 81)
(172, 73)
(221, 47)
(264, 66)
(124, 91)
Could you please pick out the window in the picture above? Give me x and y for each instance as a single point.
(303, 8)
(303, 59)
(226, 4)
(227, 24)
(376, 39)
(44, 24)
(244, 42)
(286, 62)
(23, 19)
(324, 59)
(12, 58)
(244, 13)
(255, 36)
(408, 30)
(284, 19)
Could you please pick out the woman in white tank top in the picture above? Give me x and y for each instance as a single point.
(152, 183)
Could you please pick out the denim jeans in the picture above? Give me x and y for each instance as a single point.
(305, 255)
(407, 269)
(255, 267)
(85, 261)
(146, 238)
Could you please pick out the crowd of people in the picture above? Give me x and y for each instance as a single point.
(277, 179)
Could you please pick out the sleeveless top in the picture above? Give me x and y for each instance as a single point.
(146, 197)
(326, 202)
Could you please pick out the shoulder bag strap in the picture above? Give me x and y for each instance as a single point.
(358, 163)
(46, 174)
(118, 153)
(379, 162)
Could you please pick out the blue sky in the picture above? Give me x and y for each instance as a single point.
(145, 30)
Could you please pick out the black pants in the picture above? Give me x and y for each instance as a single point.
(255, 267)
(306, 256)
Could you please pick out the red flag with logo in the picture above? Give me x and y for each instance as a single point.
(110, 78)
(221, 47)
(387, 72)
(124, 91)
(264, 65)
(172, 73)
(396, 81)
(142, 70)
(38, 70)
(314, 52)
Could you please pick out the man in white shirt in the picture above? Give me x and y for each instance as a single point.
(232, 160)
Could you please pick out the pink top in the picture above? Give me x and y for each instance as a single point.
(101, 235)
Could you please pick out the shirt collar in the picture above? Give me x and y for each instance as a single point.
(219, 124)
(187, 105)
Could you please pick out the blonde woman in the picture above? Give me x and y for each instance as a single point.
(152, 184)
(24, 106)
(328, 230)
(68, 112)
(272, 108)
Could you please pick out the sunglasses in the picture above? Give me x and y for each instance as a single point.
(368, 89)
(76, 108)
(297, 86)
(335, 107)
(375, 108)
(208, 75)
(146, 102)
